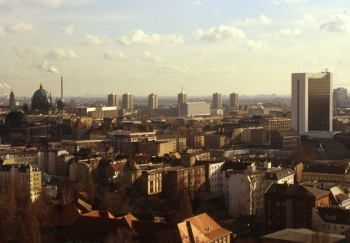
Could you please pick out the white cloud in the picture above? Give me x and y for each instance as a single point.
(53, 70)
(219, 33)
(288, 33)
(296, 1)
(198, 2)
(68, 30)
(44, 66)
(147, 56)
(306, 19)
(20, 28)
(6, 85)
(141, 38)
(61, 53)
(113, 55)
(97, 39)
(338, 24)
(45, 3)
(255, 45)
(262, 19)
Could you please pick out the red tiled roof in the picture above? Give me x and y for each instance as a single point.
(128, 218)
(62, 216)
(207, 226)
(152, 232)
(102, 214)
(90, 228)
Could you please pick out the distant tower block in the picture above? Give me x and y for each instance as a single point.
(12, 101)
(152, 101)
(312, 102)
(181, 98)
(128, 101)
(113, 100)
(217, 101)
(234, 100)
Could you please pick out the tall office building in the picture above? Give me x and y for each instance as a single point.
(128, 101)
(217, 101)
(113, 100)
(340, 97)
(152, 101)
(181, 98)
(234, 101)
(312, 102)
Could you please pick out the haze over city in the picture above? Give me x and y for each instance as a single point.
(250, 47)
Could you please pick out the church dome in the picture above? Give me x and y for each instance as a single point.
(60, 103)
(15, 118)
(41, 100)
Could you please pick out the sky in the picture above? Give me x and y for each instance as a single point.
(164, 46)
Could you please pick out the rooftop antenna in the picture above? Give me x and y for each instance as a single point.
(182, 88)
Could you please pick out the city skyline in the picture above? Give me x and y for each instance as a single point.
(202, 46)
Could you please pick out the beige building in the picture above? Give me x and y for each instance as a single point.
(179, 139)
(25, 176)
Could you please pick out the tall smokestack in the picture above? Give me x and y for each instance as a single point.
(62, 87)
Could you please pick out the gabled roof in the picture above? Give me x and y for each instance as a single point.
(90, 228)
(101, 214)
(153, 232)
(207, 226)
(294, 190)
(128, 219)
(62, 216)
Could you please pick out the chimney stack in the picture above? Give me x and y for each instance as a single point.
(62, 87)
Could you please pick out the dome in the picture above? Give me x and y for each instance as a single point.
(60, 103)
(15, 118)
(41, 100)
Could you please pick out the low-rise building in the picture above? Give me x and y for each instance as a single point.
(332, 220)
(290, 206)
(326, 172)
(119, 138)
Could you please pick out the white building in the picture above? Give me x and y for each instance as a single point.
(244, 188)
(312, 102)
(194, 109)
(215, 177)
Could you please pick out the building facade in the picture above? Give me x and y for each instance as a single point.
(312, 102)
(22, 176)
(234, 100)
(152, 101)
(217, 101)
(113, 100)
(181, 98)
(128, 101)
(340, 97)
(194, 109)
